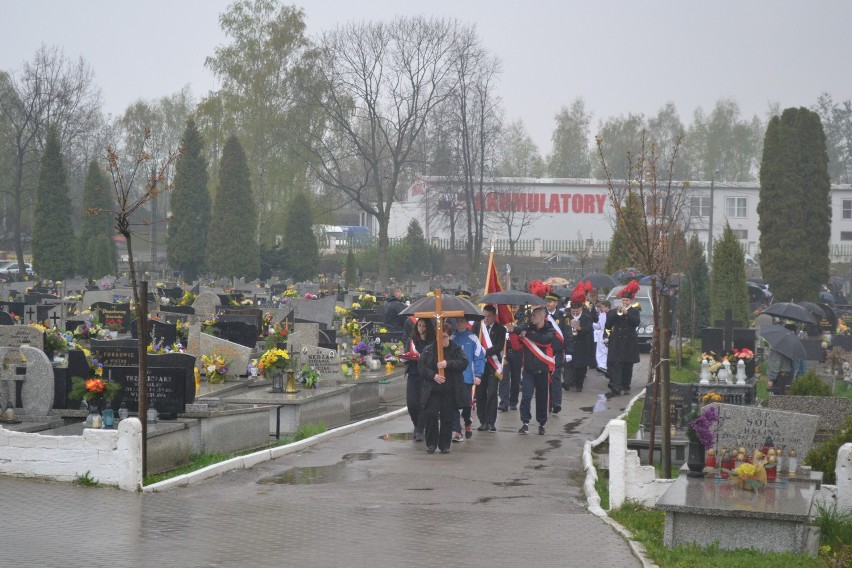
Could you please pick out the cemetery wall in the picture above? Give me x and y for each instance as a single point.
(111, 457)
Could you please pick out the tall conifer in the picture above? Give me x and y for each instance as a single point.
(693, 304)
(186, 242)
(53, 234)
(728, 288)
(232, 248)
(96, 256)
(301, 253)
(795, 206)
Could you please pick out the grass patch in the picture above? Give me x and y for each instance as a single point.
(602, 487)
(647, 527)
(86, 480)
(634, 417)
(842, 389)
(203, 460)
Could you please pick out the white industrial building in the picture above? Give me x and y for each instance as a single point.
(580, 210)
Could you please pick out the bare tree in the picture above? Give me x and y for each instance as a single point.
(649, 234)
(128, 201)
(50, 90)
(378, 84)
(508, 207)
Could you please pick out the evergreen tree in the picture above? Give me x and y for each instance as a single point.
(232, 248)
(301, 252)
(693, 305)
(795, 206)
(619, 246)
(416, 251)
(186, 241)
(728, 288)
(52, 231)
(96, 254)
(351, 269)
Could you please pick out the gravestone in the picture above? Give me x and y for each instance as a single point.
(745, 339)
(6, 319)
(832, 410)
(116, 353)
(749, 426)
(325, 361)
(37, 389)
(187, 310)
(113, 315)
(237, 332)
(78, 366)
(53, 314)
(238, 355)
(320, 311)
(206, 304)
(116, 296)
(681, 397)
(303, 335)
(183, 361)
(166, 389)
(161, 332)
(727, 325)
(829, 322)
(253, 317)
(15, 336)
(712, 340)
(842, 341)
(813, 349)
(16, 308)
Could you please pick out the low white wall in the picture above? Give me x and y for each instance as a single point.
(111, 457)
(628, 478)
(843, 473)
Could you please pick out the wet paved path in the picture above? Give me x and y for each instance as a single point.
(500, 499)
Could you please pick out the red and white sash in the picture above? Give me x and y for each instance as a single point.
(556, 328)
(542, 356)
(485, 340)
(412, 348)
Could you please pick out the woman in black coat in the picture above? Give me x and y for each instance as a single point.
(443, 388)
(621, 324)
(422, 335)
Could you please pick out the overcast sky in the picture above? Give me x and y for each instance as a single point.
(620, 55)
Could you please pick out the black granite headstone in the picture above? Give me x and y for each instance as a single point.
(6, 319)
(183, 361)
(842, 341)
(159, 331)
(113, 315)
(178, 309)
(78, 366)
(813, 349)
(745, 339)
(166, 389)
(237, 332)
(116, 353)
(711, 340)
(16, 308)
(681, 397)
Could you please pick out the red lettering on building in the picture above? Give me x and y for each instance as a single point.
(577, 203)
(532, 203)
(554, 203)
(588, 203)
(601, 200)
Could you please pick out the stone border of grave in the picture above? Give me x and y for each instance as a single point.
(247, 461)
(639, 483)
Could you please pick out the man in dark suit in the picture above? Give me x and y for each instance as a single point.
(580, 323)
(492, 336)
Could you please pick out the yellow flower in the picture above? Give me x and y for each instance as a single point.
(745, 470)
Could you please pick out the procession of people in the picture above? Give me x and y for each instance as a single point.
(528, 364)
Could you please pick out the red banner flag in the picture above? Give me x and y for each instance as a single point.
(492, 284)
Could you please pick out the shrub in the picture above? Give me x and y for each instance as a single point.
(809, 385)
(824, 457)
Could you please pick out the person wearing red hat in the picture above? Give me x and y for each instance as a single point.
(623, 341)
(581, 325)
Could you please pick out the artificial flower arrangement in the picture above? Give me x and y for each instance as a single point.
(216, 367)
(702, 419)
(276, 334)
(842, 328)
(340, 313)
(714, 362)
(253, 369)
(291, 292)
(352, 329)
(308, 376)
(209, 326)
(182, 331)
(362, 349)
(95, 388)
(736, 354)
(16, 318)
(367, 301)
(391, 352)
(159, 349)
(274, 359)
(187, 299)
(355, 306)
(752, 476)
(54, 340)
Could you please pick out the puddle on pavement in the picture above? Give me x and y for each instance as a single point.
(569, 427)
(587, 408)
(315, 475)
(510, 483)
(336, 473)
(397, 437)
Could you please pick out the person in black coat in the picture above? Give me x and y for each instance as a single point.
(443, 390)
(620, 331)
(555, 319)
(393, 306)
(493, 338)
(582, 327)
(537, 341)
(422, 335)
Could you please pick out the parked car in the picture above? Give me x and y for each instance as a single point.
(646, 313)
(12, 268)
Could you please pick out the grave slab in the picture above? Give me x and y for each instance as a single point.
(749, 426)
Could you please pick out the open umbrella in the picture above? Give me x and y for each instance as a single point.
(448, 304)
(512, 298)
(783, 341)
(790, 311)
(600, 280)
(814, 309)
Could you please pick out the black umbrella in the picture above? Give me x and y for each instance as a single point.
(448, 304)
(815, 310)
(829, 322)
(783, 341)
(790, 311)
(512, 298)
(600, 280)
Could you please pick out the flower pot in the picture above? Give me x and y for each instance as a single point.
(695, 460)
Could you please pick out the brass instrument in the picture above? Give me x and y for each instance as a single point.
(620, 310)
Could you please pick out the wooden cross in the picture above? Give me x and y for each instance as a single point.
(728, 326)
(439, 315)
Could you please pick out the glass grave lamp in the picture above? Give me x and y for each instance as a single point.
(9, 413)
(277, 381)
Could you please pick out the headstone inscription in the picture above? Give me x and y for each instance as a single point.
(15, 336)
(116, 353)
(166, 389)
(325, 361)
(750, 426)
(183, 361)
(115, 317)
